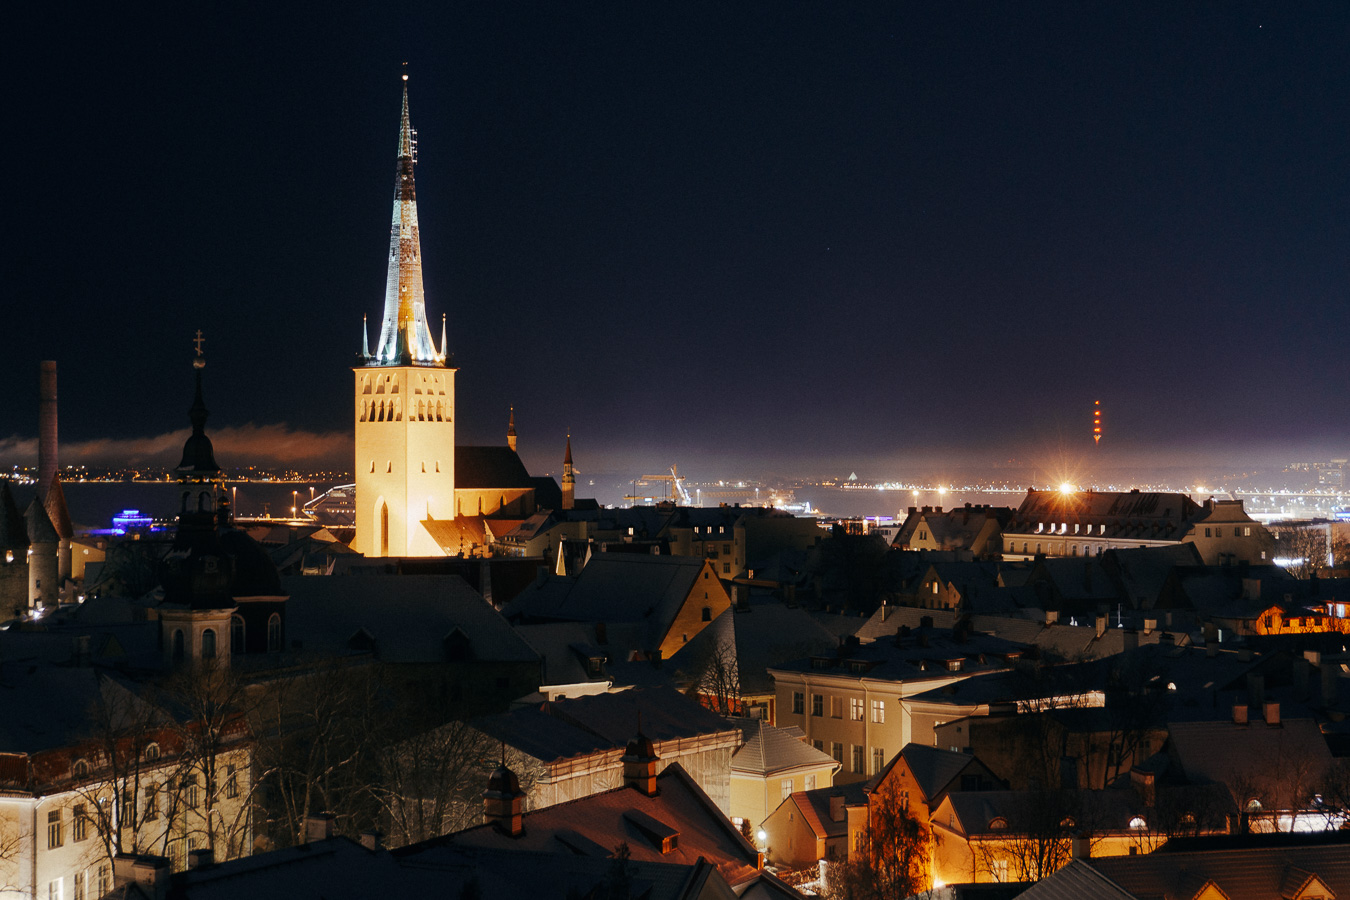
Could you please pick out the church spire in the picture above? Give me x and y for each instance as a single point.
(405, 338)
(511, 431)
(569, 478)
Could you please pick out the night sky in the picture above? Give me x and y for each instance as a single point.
(775, 237)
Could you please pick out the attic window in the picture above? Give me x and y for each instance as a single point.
(80, 769)
(707, 613)
(1137, 823)
(953, 665)
(998, 823)
(661, 835)
(152, 751)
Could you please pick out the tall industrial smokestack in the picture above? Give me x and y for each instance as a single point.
(46, 425)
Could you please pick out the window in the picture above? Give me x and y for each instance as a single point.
(837, 751)
(54, 889)
(879, 712)
(998, 823)
(101, 882)
(1246, 531)
(798, 702)
(151, 803)
(819, 745)
(707, 613)
(817, 704)
(1138, 824)
(231, 782)
(274, 625)
(152, 751)
(726, 568)
(191, 795)
(55, 831)
(999, 869)
(786, 787)
(810, 782)
(79, 893)
(80, 769)
(857, 760)
(855, 709)
(236, 634)
(209, 644)
(80, 828)
(878, 760)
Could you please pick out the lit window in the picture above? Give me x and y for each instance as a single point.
(879, 711)
(855, 709)
(1138, 824)
(786, 787)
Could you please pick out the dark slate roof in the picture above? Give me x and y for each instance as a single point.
(1250, 758)
(547, 493)
(1278, 868)
(760, 634)
(479, 468)
(614, 587)
(408, 616)
(932, 768)
(565, 648)
(13, 526)
(40, 528)
(768, 750)
(561, 729)
(47, 706)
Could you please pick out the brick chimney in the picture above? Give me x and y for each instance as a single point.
(320, 827)
(1272, 712)
(837, 811)
(1239, 714)
(504, 802)
(639, 765)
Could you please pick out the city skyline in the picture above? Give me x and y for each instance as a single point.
(821, 237)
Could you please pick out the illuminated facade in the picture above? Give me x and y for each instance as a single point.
(404, 398)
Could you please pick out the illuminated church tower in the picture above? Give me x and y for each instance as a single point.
(405, 398)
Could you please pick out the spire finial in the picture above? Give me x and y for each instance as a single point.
(444, 352)
(365, 339)
(198, 361)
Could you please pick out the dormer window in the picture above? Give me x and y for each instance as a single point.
(80, 769)
(998, 823)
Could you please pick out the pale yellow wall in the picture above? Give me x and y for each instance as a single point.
(753, 797)
(515, 502)
(406, 461)
(707, 591)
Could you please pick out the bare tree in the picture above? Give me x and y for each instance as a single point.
(893, 860)
(317, 736)
(1306, 546)
(716, 677)
(11, 852)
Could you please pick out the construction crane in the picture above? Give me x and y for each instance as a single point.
(674, 483)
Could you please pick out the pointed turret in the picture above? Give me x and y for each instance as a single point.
(43, 541)
(511, 431)
(405, 338)
(569, 479)
(365, 340)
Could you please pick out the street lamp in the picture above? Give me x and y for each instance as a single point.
(293, 495)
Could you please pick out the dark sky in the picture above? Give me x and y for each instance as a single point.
(761, 235)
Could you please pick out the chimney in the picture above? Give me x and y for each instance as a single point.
(639, 765)
(320, 827)
(372, 840)
(1272, 711)
(47, 456)
(1101, 625)
(1081, 847)
(504, 802)
(1256, 689)
(150, 873)
(202, 858)
(1150, 625)
(1239, 714)
(1051, 616)
(837, 807)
